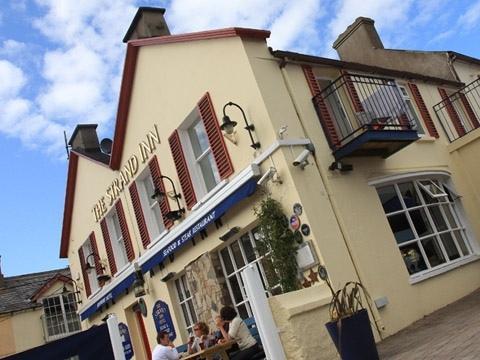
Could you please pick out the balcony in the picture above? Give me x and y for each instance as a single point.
(364, 116)
(459, 113)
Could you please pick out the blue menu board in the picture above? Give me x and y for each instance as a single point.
(163, 320)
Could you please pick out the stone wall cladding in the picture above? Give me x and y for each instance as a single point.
(207, 283)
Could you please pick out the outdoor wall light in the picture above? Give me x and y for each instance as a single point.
(76, 291)
(228, 125)
(139, 282)
(88, 267)
(160, 195)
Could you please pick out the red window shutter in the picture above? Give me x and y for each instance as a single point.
(469, 110)
(215, 137)
(93, 244)
(452, 113)
(322, 110)
(182, 170)
(127, 241)
(357, 104)
(158, 182)
(108, 247)
(137, 208)
(88, 291)
(427, 119)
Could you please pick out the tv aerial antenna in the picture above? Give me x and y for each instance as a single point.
(67, 147)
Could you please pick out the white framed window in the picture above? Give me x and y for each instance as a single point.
(198, 154)
(117, 240)
(424, 215)
(185, 300)
(234, 258)
(151, 207)
(90, 262)
(60, 316)
(411, 109)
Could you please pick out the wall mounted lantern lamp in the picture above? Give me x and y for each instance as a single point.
(76, 291)
(228, 125)
(88, 267)
(160, 195)
(139, 282)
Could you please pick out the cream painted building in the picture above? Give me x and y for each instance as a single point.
(35, 309)
(386, 196)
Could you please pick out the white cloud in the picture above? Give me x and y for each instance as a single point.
(471, 17)
(11, 48)
(13, 79)
(290, 21)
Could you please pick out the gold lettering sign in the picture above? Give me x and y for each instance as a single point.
(127, 173)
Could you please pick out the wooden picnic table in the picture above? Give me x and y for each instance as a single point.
(210, 352)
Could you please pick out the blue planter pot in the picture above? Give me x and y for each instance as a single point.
(353, 337)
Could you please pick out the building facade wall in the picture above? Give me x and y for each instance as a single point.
(7, 345)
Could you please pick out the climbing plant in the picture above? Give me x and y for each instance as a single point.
(277, 244)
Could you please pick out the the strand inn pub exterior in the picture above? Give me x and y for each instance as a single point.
(373, 162)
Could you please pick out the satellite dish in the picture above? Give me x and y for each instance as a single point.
(106, 146)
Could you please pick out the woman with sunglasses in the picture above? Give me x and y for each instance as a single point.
(200, 340)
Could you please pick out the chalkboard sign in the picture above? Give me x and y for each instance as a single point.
(163, 320)
(126, 341)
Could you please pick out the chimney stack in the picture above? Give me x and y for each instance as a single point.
(85, 138)
(148, 22)
(358, 39)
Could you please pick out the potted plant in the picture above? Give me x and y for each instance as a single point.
(349, 325)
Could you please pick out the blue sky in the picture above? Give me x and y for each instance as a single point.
(61, 63)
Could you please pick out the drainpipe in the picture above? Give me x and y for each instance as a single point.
(323, 175)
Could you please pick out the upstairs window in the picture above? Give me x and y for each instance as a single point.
(150, 206)
(411, 110)
(423, 214)
(199, 156)
(116, 236)
(88, 266)
(199, 152)
(60, 316)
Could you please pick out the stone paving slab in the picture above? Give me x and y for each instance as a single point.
(451, 333)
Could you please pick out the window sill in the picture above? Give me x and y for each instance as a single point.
(159, 237)
(426, 138)
(414, 279)
(212, 192)
(121, 270)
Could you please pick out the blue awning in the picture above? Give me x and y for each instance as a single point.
(245, 190)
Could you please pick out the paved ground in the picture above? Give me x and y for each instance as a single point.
(449, 333)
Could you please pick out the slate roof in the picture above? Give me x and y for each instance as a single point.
(16, 291)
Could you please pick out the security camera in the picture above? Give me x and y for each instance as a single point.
(302, 159)
(267, 176)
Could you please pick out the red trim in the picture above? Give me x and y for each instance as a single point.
(137, 209)
(243, 33)
(143, 333)
(352, 91)
(427, 119)
(108, 247)
(322, 110)
(469, 110)
(215, 137)
(86, 281)
(452, 113)
(123, 106)
(127, 240)
(57, 277)
(68, 207)
(182, 170)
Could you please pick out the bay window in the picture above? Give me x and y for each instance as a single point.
(423, 214)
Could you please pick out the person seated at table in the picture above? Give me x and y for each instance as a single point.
(165, 350)
(201, 339)
(238, 332)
